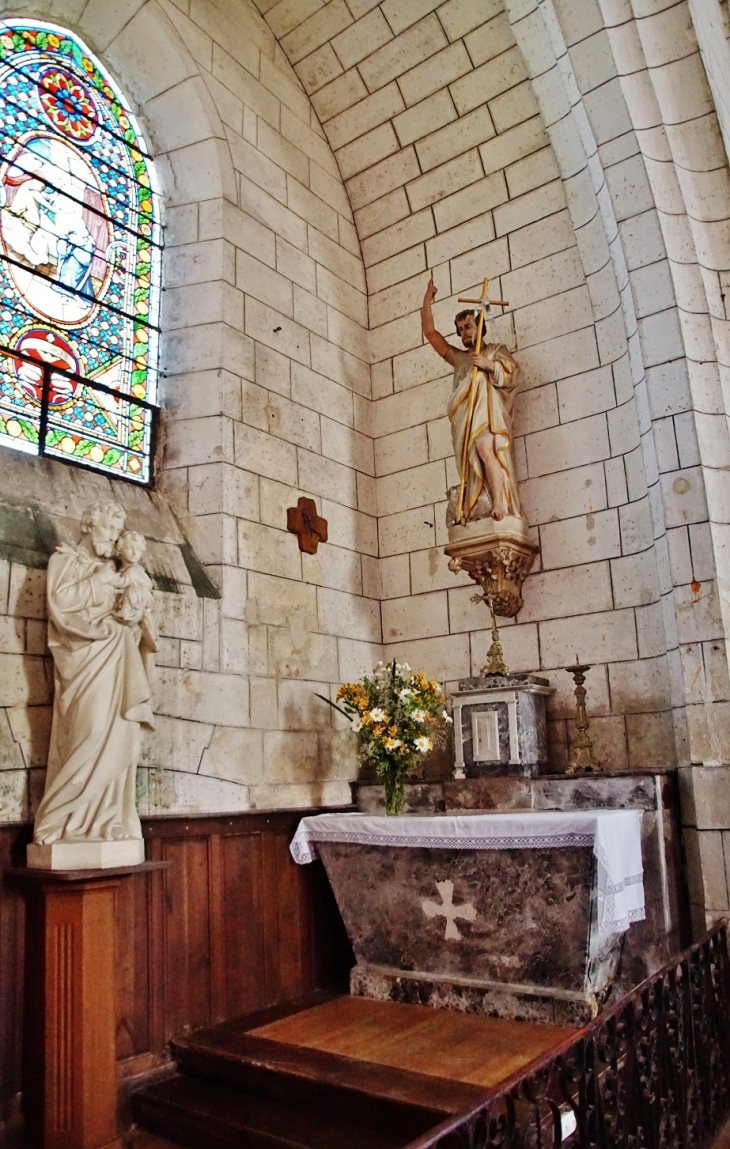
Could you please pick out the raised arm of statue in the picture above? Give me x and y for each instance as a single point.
(434, 337)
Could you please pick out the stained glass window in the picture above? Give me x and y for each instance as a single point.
(79, 258)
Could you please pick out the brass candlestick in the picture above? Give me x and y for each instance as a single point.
(581, 751)
(495, 666)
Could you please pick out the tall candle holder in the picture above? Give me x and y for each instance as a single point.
(581, 758)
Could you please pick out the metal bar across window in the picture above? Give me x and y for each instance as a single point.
(48, 369)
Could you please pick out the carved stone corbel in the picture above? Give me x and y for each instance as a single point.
(498, 561)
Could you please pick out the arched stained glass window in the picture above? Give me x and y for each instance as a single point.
(79, 258)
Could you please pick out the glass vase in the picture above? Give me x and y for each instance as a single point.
(394, 792)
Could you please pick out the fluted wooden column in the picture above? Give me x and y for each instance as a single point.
(70, 1065)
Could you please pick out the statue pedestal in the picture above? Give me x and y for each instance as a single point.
(496, 555)
(86, 855)
(70, 1063)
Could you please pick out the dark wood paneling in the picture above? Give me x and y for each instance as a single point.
(13, 840)
(243, 935)
(232, 925)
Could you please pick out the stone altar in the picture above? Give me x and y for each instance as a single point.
(528, 909)
(648, 944)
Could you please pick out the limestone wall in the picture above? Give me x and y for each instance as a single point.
(265, 396)
(318, 160)
(613, 242)
(442, 139)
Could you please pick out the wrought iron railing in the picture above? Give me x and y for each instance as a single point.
(650, 1072)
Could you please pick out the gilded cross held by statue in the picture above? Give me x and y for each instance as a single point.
(484, 302)
(485, 305)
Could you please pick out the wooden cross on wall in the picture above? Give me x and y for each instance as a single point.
(304, 522)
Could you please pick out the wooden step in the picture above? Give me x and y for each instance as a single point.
(334, 1072)
(201, 1113)
(379, 1096)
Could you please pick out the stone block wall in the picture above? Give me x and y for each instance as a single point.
(265, 397)
(318, 161)
(435, 122)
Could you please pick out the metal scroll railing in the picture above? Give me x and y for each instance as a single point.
(650, 1072)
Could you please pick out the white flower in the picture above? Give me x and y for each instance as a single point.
(446, 716)
(423, 744)
(378, 715)
(405, 693)
(357, 724)
(391, 743)
(419, 716)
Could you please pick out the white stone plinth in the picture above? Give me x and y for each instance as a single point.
(86, 855)
(486, 530)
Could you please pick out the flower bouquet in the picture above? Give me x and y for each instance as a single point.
(398, 715)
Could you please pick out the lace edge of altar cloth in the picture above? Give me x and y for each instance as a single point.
(615, 836)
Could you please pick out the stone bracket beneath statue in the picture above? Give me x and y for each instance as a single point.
(496, 555)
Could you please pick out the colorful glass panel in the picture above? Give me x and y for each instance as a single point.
(80, 248)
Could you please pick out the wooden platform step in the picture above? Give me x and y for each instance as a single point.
(331, 1072)
(209, 1113)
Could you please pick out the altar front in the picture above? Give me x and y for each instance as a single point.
(519, 914)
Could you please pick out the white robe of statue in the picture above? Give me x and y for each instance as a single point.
(102, 694)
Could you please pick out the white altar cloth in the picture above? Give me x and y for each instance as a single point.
(615, 836)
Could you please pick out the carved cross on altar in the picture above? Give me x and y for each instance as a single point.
(304, 522)
(448, 910)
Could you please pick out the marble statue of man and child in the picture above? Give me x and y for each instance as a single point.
(102, 636)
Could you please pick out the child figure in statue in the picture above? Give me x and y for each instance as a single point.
(135, 602)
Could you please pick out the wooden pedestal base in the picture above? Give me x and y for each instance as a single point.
(70, 1069)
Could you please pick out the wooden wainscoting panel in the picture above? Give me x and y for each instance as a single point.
(233, 925)
(187, 932)
(13, 839)
(243, 922)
